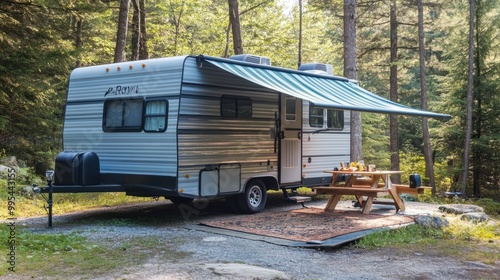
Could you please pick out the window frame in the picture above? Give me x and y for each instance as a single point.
(325, 118)
(146, 115)
(235, 100)
(122, 128)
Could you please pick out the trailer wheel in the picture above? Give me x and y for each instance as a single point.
(177, 200)
(253, 200)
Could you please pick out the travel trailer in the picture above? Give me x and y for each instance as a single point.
(192, 127)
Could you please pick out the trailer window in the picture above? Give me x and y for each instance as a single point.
(155, 116)
(334, 118)
(290, 109)
(315, 116)
(123, 115)
(235, 107)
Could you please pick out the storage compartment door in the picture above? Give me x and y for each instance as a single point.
(209, 182)
(229, 178)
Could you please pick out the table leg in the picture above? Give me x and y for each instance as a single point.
(368, 205)
(399, 204)
(334, 180)
(376, 179)
(332, 202)
(360, 200)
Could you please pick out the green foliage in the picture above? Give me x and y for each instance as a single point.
(412, 234)
(490, 206)
(418, 236)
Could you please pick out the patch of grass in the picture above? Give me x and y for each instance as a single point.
(66, 203)
(463, 240)
(66, 255)
(412, 234)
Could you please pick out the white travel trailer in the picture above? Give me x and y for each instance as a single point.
(199, 127)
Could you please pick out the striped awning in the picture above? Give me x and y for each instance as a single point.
(321, 90)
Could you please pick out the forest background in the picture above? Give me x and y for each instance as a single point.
(41, 41)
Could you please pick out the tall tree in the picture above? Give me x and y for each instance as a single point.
(136, 31)
(393, 81)
(234, 19)
(139, 33)
(121, 34)
(143, 44)
(350, 72)
(470, 81)
(429, 165)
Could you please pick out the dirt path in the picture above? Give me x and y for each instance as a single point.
(214, 256)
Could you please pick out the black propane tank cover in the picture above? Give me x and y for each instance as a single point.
(77, 168)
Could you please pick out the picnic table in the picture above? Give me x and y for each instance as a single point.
(369, 184)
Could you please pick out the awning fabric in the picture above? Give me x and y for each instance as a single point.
(321, 90)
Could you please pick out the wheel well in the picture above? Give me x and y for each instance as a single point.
(270, 182)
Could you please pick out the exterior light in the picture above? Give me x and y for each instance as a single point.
(49, 174)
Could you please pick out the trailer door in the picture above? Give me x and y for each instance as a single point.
(290, 143)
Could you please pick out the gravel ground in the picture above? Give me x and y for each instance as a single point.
(216, 256)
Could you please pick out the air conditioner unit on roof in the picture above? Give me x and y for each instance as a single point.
(252, 58)
(315, 67)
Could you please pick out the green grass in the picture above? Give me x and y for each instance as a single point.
(65, 255)
(461, 239)
(29, 205)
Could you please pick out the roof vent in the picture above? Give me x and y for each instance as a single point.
(252, 58)
(317, 68)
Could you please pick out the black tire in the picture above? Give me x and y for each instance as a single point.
(253, 200)
(177, 200)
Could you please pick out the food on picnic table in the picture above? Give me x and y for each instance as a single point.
(353, 166)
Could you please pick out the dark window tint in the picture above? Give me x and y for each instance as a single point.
(235, 107)
(334, 119)
(123, 115)
(315, 116)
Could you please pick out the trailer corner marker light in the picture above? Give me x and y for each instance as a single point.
(304, 165)
(118, 68)
(181, 190)
(130, 67)
(303, 175)
(107, 69)
(143, 65)
(186, 176)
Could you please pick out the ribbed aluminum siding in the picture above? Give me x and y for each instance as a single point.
(325, 149)
(124, 152)
(205, 138)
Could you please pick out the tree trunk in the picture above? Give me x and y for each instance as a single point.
(299, 59)
(470, 80)
(350, 72)
(143, 44)
(121, 34)
(429, 166)
(477, 163)
(136, 30)
(234, 18)
(393, 81)
(78, 41)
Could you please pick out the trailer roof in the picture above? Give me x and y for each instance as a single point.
(321, 90)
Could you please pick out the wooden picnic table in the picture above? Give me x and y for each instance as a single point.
(369, 184)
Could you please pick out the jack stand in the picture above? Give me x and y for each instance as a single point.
(49, 202)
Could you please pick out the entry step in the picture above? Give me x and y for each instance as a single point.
(298, 199)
